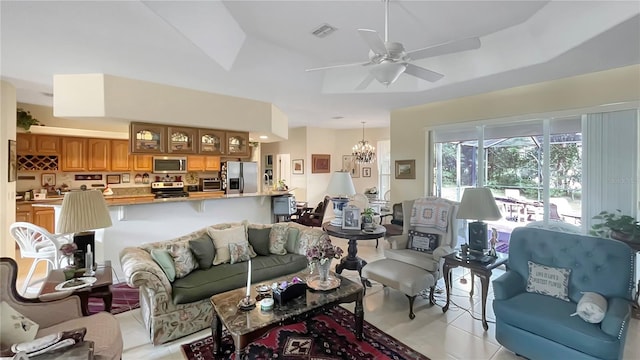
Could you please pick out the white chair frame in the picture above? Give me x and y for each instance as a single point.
(37, 243)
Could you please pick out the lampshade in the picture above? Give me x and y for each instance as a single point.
(388, 72)
(341, 184)
(82, 211)
(478, 204)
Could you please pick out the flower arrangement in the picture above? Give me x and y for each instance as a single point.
(323, 251)
(68, 251)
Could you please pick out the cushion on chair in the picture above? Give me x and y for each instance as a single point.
(412, 257)
(409, 279)
(550, 318)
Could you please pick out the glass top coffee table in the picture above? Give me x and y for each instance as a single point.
(246, 326)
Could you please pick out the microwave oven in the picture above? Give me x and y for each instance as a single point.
(210, 184)
(169, 165)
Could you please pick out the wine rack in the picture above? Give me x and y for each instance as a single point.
(37, 163)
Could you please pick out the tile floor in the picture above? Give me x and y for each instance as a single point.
(456, 334)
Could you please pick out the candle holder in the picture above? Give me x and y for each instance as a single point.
(246, 303)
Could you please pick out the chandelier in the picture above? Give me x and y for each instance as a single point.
(364, 152)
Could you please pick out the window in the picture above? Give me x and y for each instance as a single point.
(384, 167)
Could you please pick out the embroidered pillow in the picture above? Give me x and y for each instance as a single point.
(16, 328)
(165, 261)
(547, 280)
(278, 239)
(204, 251)
(183, 258)
(240, 252)
(591, 308)
(421, 241)
(221, 240)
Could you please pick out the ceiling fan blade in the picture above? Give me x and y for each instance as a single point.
(365, 83)
(374, 41)
(423, 73)
(446, 48)
(340, 66)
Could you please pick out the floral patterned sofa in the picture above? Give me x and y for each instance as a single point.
(172, 309)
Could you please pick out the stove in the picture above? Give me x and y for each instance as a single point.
(168, 189)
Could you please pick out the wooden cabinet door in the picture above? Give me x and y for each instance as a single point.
(212, 163)
(25, 143)
(147, 138)
(73, 154)
(47, 145)
(143, 162)
(45, 217)
(238, 144)
(181, 140)
(195, 163)
(99, 158)
(211, 142)
(120, 158)
(23, 212)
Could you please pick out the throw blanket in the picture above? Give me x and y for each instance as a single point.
(430, 212)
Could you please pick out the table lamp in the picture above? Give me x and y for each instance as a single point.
(340, 188)
(478, 204)
(82, 212)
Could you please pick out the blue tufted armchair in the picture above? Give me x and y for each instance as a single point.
(540, 326)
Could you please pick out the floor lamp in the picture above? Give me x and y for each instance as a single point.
(82, 212)
(340, 188)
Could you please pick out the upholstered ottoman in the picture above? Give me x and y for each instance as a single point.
(409, 279)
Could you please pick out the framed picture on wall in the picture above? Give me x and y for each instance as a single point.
(126, 178)
(366, 172)
(113, 179)
(320, 163)
(349, 164)
(405, 169)
(297, 166)
(48, 179)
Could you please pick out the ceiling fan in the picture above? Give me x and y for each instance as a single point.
(388, 60)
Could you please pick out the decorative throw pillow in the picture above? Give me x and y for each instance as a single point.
(183, 258)
(278, 238)
(292, 245)
(222, 239)
(15, 327)
(547, 280)
(421, 241)
(204, 251)
(309, 239)
(240, 252)
(165, 261)
(259, 240)
(591, 308)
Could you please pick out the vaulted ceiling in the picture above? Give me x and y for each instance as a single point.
(260, 49)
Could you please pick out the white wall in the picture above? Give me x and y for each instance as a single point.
(408, 126)
(7, 189)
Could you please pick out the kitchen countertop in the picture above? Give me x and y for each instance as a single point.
(139, 199)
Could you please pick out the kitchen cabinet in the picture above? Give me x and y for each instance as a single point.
(120, 158)
(45, 217)
(99, 154)
(147, 138)
(23, 212)
(143, 162)
(211, 142)
(37, 144)
(203, 163)
(238, 144)
(182, 140)
(73, 154)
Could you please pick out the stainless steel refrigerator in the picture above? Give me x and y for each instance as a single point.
(241, 177)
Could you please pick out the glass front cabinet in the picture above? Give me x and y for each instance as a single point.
(148, 138)
(238, 144)
(182, 140)
(211, 142)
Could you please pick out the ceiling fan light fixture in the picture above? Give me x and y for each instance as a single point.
(388, 72)
(363, 151)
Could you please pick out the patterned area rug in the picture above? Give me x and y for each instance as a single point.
(327, 336)
(125, 298)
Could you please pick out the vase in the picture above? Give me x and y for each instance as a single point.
(323, 270)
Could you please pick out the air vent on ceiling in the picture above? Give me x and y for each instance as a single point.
(323, 30)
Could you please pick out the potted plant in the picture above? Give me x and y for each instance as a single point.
(367, 218)
(616, 226)
(25, 120)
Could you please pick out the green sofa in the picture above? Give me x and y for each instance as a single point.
(171, 310)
